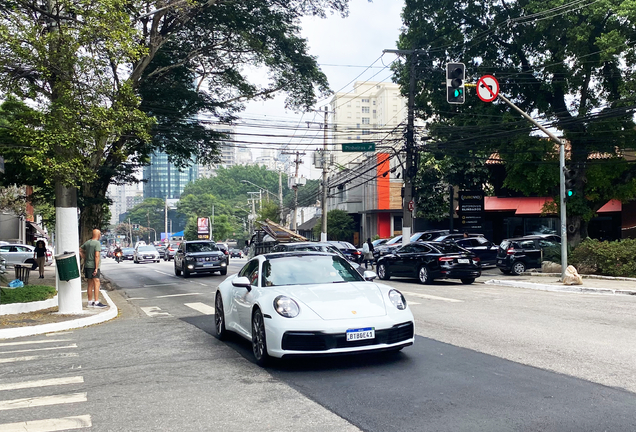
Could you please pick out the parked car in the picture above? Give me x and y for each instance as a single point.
(428, 261)
(349, 250)
(376, 243)
(3, 265)
(170, 250)
(454, 236)
(199, 256)
(236, 253)
(516, 255)
(482, 247)
(128, 254)
(161, 249)
(428, 235)
(295, 304)
(17, 254)
(387, 247)
(315, 247)
(146, 253)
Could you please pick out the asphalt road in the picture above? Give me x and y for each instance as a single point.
(485, 359)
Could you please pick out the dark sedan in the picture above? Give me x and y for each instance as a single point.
(128, 254)
(428, 261)
(482, 247)
(349, 250)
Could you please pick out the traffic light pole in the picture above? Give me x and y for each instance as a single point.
(564, 230)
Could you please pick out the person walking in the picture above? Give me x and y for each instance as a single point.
(40, 257)
(367, 251)
(91, 254)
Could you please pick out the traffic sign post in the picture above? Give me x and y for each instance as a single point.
(487, 88)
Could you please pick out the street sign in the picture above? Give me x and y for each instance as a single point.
(358, 147)
(411, 205)
(487, 88)
(471, 210)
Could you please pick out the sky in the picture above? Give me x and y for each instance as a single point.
(344, 48)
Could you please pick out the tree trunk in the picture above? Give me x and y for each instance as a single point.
(92, 211)
(67, 240)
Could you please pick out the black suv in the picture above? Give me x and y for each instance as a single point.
(199, 256)
(515, 255)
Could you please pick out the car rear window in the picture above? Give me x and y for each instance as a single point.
(504, 244)
(448, 248)
(201, 247)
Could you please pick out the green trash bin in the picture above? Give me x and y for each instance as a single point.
(67, 266)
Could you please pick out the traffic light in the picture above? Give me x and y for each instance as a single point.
(455, 76)
(570, 182)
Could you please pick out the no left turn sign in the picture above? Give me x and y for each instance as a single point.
(487, 88)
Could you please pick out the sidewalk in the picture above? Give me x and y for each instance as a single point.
(551, 282)
(49, 320)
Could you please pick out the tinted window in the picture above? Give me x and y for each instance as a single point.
(504, 244)
(547, 243)
(526, 244)
(421, 248)
(406, 249)
(481, 241)
(5, 248)
(466, 243)
(310, 269)
(201, 247)
(448, 248)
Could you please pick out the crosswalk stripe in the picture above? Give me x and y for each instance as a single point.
(36, 357)
(201, 307)
(4, 344)
(154, 311)
(42, 401)
(49, 425)
(42, 383)
(432, 297)
(41, 349)
(177, 295)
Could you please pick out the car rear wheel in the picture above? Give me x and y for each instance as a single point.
(383, 272)
(468, 281)
(259, 340)
(424, 275)
(518, 268)
(219, 318)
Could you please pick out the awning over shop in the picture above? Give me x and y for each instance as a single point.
(40, 231)
(534, 205)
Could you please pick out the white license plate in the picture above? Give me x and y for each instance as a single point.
(463, 261)
(359, 334)
(208, 265)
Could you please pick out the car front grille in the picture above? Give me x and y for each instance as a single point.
(318, 341)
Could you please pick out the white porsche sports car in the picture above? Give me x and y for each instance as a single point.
(310, 303)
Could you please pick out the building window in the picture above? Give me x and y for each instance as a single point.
(366, 120)
(366, 132)
(374, 102)
(365, 110)
(357, 125)
(365, 100)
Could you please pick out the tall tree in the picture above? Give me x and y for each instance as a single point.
(568, 63)
(87, 66)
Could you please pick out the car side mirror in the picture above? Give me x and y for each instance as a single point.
(369, 275)
(242, 282)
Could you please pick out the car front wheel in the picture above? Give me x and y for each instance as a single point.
(223, 271)
(468, 281)
(383, 272)
(259, 340)
(219, 318)
(518, 268)
(424, 275)
(176, 270)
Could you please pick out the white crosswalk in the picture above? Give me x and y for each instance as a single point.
(22, 401)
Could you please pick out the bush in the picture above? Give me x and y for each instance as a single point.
(26, 294)
(617, 258)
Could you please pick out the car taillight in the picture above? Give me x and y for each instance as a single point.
(476, 259)
(510, 251)
(226, 252)
(446, 259)
(357, 253)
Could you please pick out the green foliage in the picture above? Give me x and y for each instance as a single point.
(148, 214)
(617, 258)
(26, 294)
(270, 211)
(340, 226)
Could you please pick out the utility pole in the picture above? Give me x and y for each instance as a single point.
(410, 167)
(280, 195)
(165, 210)
(298, 161)
(325, 156)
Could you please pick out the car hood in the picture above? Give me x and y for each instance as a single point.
(205, 254)
(342, 300)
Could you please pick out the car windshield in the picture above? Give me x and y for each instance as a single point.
(128, 250)
(394, 240)
(308, 270)
(201, 247)
(146, 248)
(448, 248)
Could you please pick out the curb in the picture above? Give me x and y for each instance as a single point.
(18, 308)
(563, 288)
(101, 317)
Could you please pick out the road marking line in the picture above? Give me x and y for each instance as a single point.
(177, 295)
(201, 307)
(42, 401)
(164, 273)
(432, 297)
(42, 383)
(136, 298)
(413, 303)
(36, 357)
(49, 425)
(3, 344)
(40, 349)
(157, 285)
(154, 311)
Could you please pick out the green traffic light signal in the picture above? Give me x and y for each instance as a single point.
(458, 92)
(570, 193)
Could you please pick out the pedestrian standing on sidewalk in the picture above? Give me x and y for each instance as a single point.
(39, 255)
(91, 254)
(367, 251)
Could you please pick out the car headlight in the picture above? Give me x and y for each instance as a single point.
(397, 299)
(286, 307)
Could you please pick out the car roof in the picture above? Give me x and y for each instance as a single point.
(274, 255)
(530, 237)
